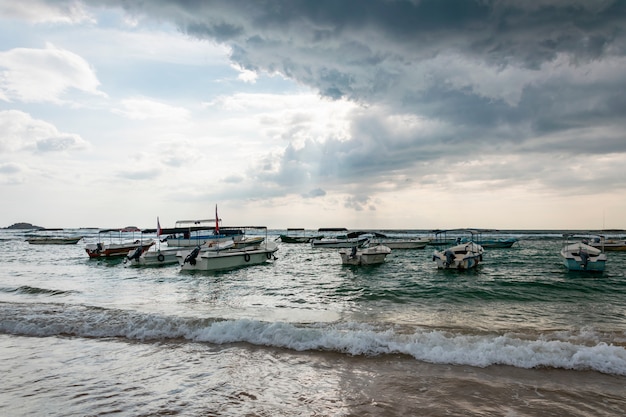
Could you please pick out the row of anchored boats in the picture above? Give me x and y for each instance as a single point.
(206, 245)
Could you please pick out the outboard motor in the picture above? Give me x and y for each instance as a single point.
(191, 258)
(353, 252)
(136, 254)
(584, 257)
(449, 257)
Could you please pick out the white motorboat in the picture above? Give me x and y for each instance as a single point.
(398, 243)
(607, 244)
(462, 255)
(167, 255)
(366, 256)
(209, 260)
(53, 240)
(580, 256)
(349, 240)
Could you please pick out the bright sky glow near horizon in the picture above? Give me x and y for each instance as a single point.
(378, 114)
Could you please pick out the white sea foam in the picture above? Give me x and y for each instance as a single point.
(563, 350)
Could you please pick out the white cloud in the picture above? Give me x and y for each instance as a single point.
(146, 109)
(19, 132)
(44, 75)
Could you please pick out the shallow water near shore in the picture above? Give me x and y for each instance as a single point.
(304, 335)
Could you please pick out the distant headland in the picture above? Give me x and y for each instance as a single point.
(24, 226)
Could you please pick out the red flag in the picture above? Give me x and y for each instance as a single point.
(217, 222)
(158, 227)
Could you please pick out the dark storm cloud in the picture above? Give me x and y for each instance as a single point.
(494, 77)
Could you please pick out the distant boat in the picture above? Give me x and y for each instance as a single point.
(495, 243)
(51, 240)
(298, 235)
(613, 245)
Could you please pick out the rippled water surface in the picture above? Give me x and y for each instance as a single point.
(304, 335)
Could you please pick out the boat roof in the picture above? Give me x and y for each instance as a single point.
(192, 223)
(332, 229)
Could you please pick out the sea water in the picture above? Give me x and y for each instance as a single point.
(305, 335)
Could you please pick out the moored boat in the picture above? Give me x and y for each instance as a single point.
(462, 256)
(580, 256)
(347, 240)
(52, 240)
(298, 235)
(199, 260)
(117, 249)
(367, 256)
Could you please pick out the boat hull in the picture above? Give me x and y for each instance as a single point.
(54, 240)
(153, 258)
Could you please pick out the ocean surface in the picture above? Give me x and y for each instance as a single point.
(305, 336)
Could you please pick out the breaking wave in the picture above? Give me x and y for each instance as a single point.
(566, 350)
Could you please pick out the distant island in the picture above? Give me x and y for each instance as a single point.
(24, 226)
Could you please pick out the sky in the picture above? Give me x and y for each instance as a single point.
(379, 114)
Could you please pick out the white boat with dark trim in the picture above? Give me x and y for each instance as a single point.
(580, 256)
(399, 242)
(367, 256)
(463, 255)
(298, 235)
(164, 255)
(349, 240)
(53, 240)
(199, 260)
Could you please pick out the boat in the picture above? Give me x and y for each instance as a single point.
(117, 249)
(298, 235)
(199, 260)
(158, 256)
(612, 244)
(499, 243)
(191, 233)
(580, 256)
(341, 242)
(399, 243)
(347, 240)
(366, 256)
(52, 240)
(462, 255)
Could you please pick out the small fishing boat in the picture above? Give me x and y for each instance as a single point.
(117, 249)
(367, 256)
(158, 256)
(580, 256)
(53, 240)
(612, 244)
(298, 235)
(347, 240)
(463, 255)
(206, 260)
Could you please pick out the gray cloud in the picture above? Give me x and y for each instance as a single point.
(485, 79)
